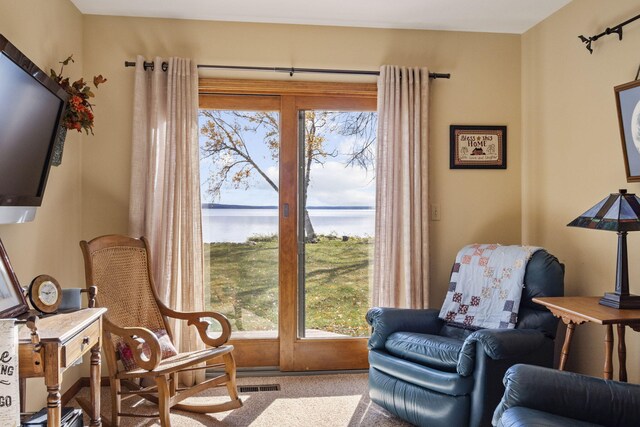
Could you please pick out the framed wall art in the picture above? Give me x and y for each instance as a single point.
(628, 103)
(12, 300)
(478, 147)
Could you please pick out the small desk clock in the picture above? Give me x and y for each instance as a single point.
(45, 294)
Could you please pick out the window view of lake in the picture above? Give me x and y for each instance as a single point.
(240, 185)
(237, 225)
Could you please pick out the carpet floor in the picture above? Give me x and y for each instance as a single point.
(311, 400)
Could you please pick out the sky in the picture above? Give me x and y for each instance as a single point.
(332, 183)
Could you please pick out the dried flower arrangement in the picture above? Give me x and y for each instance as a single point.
(79, 112)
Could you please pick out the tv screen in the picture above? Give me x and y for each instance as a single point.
(31, 106)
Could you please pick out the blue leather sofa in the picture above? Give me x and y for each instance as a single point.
(536, 396)
(432, 374)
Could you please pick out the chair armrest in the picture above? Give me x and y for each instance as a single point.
(135, 338)
(570, 395)
(198, 319)
(498, 344)
(385, 321)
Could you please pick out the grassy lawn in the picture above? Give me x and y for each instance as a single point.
(244, 283)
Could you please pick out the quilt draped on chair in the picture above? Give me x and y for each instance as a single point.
(486, 286)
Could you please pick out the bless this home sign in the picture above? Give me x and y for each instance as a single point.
(478, 147)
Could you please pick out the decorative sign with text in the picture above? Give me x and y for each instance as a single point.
(478, 147)
(9, 381)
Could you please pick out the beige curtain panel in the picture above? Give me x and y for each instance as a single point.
(401, 254)
(164, 203)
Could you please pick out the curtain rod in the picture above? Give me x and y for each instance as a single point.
(610, 30)
(290, 70)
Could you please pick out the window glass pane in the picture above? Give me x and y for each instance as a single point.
(239, 187)
(337, 221)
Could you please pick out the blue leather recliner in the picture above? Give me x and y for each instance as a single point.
(432, 374)
(536, 396)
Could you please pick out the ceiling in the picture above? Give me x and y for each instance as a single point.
(495, 16)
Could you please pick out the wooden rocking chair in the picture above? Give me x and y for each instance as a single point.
(119, 267)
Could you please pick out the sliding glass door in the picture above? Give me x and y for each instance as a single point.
(239, 154)
(336, 220)
(336, 139)
(288, 184)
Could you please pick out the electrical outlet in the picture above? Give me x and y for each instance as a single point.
(435, 212)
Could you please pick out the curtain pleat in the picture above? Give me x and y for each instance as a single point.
(165, 189)
(401, 254)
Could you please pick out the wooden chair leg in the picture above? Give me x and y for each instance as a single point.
(164, 394)
(173, 384)
(116, 404)
(230, 369)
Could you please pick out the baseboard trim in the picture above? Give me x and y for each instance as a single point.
(275, 372)
(241, 372)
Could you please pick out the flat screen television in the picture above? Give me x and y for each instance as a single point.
(31, 107)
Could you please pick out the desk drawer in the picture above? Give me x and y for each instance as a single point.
(80, 344)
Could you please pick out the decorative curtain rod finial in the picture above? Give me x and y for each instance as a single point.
(587, 42)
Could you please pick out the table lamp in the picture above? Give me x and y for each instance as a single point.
(619, 212)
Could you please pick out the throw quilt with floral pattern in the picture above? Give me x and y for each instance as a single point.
(486, 286)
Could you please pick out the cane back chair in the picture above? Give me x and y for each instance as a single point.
(120, 267)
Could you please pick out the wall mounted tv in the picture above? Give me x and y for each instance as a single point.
(31, 107)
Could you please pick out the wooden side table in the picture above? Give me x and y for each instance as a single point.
(578, 310)
(48, 346)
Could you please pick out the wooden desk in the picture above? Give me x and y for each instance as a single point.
(58, 341)
(577, 310)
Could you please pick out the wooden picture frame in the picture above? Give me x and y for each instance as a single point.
(12, 300)
(478, 147)
(628, 105)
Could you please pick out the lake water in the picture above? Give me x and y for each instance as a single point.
(236, 225)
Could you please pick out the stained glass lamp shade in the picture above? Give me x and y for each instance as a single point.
(619, 212)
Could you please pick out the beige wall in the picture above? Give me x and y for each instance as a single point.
(88, 195)
(477, 206)
(570, 149)
(572, 155)
(48, 32)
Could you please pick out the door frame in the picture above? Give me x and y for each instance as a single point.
(289, 352)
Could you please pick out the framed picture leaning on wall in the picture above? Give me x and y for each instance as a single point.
(12, 300)
(628, 103)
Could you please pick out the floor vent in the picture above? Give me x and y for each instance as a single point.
(257, 388)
